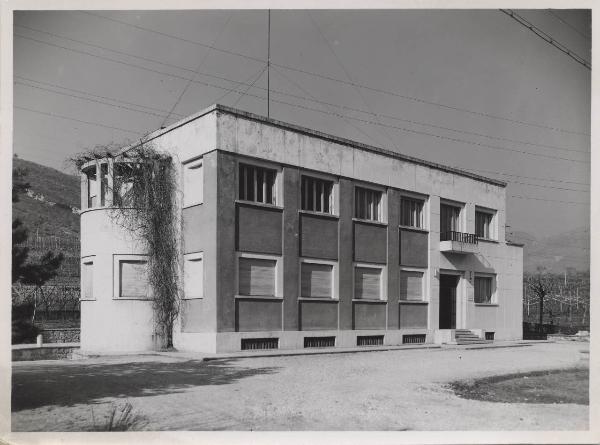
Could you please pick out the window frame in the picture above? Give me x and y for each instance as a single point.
(382, 217)
(334, 279)
(193, 256)
(424, 281)
(89, 259)
(192, 164)
(492, 226)
(424, 210)
(277, 194)
(461, 214)
(494, 287)
(382, 282)
(334, 203)
(117, 259)
(278, 276)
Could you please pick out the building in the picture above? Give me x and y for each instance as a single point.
(292, 238)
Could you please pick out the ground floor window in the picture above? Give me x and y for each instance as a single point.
(257, 276)
(484, 289)
(131, 276)
(368, 283)
(316, 280)
(193, 275)
(411, 285)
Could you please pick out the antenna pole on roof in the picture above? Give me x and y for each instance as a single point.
(269, 66)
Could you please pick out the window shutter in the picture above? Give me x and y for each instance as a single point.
(367, 283)
(193, 278)
(411, 285)
(134, 282)
(257, 277)
(316, 280)
(87, 276)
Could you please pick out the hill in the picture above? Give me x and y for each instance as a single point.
(558, 253)
(48, 209)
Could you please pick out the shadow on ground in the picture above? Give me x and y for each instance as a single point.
(59, 385)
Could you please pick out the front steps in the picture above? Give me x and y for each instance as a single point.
(466, 337)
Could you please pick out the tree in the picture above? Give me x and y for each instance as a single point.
(542, 284)
(26, 272)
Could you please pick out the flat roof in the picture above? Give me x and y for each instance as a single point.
(313, 133)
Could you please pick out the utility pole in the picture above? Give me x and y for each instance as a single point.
(269, 67)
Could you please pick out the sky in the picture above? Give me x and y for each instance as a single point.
(472, 89)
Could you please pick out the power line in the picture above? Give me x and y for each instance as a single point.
(92, 95)
(379, 90)
(76, 120)
(320, 111)
(348, 76)
(587, 37)
(196, 70)
(387, 116)
(91, 100)
(548, 38)
(550, 200)
(251, 85)
(528, 177)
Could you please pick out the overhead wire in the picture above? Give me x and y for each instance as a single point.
(548, 38)
(287, 67)
(387, 116)
(585, 36)
(458, 140)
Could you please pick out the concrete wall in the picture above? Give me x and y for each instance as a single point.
(108, 323)
(370, 242)
(318, 236)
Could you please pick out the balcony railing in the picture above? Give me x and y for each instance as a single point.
(468, 238)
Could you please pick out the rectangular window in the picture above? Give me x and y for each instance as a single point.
(411, 285)
(411, 212)
(449, 218)
(367, 283)
(483, 224)
(257, 184)
(483, 289)
(257, 277)
(317, 195)
(367, 204)
(133, 279)
(123, 183)
(317, 280)
(87, 280)
(193, 275)
(92, 198)
(193, 183)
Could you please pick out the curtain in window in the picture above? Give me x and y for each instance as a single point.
(483, 289)
(193, 278)
(449, 218)
(257, 277)
(316, 280)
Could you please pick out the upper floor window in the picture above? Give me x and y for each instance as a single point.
(193, 183)
(411, 212)
(483, 224)
(449, 218)
(257, 184)
(367, 204)
(317, 195)
(193, 275)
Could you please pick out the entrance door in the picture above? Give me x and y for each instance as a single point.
(448, 284)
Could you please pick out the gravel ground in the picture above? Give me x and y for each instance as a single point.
(387, 390)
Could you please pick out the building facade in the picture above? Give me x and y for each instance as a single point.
(293, 238)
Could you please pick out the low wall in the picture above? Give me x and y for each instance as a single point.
(61, 335)
(45, 352)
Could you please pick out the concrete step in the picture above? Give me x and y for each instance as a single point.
(472, 342)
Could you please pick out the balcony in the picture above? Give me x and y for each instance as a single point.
(458, 242)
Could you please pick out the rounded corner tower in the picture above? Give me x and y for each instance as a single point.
(116, 311)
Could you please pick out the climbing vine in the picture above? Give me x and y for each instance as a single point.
(144, 203)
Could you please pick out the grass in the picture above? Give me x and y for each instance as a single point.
(120, 418)
(557, 386)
